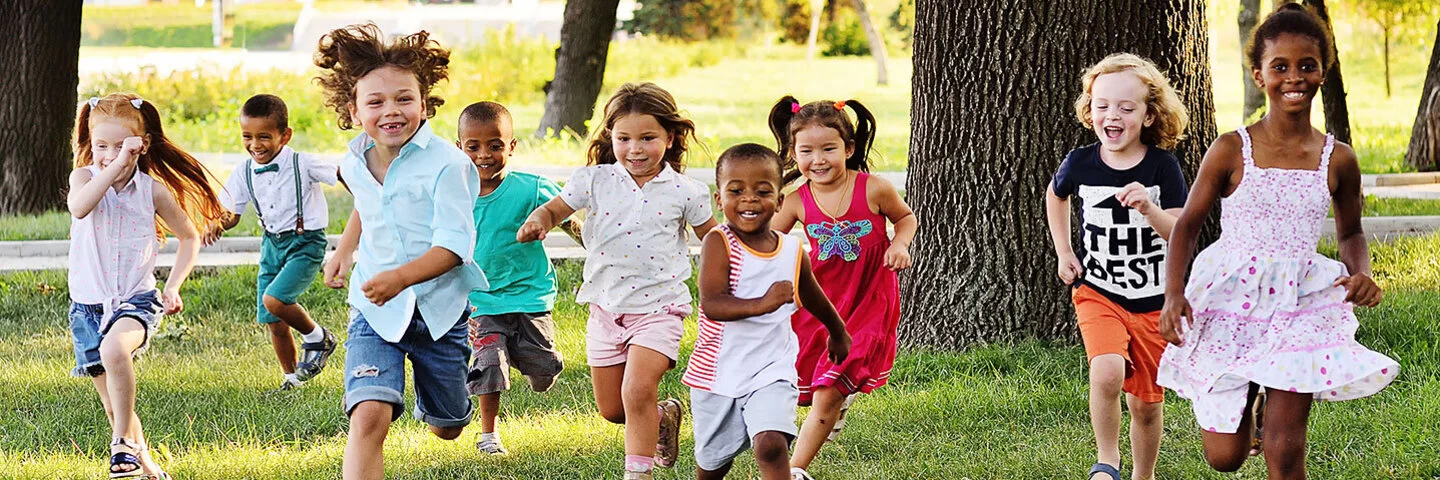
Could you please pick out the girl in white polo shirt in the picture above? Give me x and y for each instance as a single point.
(637, 262)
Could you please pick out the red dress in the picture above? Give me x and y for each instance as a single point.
(847, 254)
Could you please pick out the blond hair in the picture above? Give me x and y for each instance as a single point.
(1162, 104)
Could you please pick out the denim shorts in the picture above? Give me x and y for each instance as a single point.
(85, 329)
(375, 370)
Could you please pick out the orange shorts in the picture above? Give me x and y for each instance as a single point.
(1107, 328)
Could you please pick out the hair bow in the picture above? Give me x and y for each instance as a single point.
(794, 107)
(135, 102)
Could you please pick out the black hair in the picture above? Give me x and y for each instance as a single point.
(485, 112)
(789, 116)
(267, 106)
(748, 152)
(1292, 18)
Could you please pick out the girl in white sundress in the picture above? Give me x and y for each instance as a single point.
(1265, 325)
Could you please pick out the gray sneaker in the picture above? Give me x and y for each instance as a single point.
(313, 356)
(667, 448)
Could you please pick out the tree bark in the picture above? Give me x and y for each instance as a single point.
(877, 43)
(993, 124)
(1332, 93)
(1424, 151)
(38, 82)
(1254, 98)
(579, 66)
(816, 7)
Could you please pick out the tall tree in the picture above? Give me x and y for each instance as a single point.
(816, 7)
(38, 82)
(579, 66)
(1390, 16)
(1424, 151)
(1254, 98)
(877, 43)
(992, 125)
(1332, 92)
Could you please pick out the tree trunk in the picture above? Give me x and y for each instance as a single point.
(1386, 58)
(1424, 151)
(992, 126)
(579, 66)
(1332, 93)
(38, 84)
(1254, 98)
(877, 43)
(816, 7)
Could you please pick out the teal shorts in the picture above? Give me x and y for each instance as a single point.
(288, 264)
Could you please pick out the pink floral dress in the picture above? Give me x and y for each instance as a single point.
(1264, 308)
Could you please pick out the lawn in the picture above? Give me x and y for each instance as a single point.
(997, 411)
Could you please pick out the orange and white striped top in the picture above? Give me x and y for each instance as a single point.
(737, 357)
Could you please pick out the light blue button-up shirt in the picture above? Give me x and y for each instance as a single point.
(425, 202)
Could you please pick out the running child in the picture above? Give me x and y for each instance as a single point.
(752, 279)
(637, 262)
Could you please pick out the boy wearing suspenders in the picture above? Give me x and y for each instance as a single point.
(284, 186)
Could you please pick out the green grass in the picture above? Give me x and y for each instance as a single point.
(997, 411)
(1398, 207)
(266, 26)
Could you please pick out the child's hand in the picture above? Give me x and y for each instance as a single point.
(337, 270)
(897, 257)
(1069, 269)
(839, 348)
(1175, 318)
(129, 153)
(383, 287)
(170, 299)
(211, 236)
(780, 293)
(1135, 196)
(1360, 289)
(530, 231)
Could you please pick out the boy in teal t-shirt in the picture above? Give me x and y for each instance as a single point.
(511, 324)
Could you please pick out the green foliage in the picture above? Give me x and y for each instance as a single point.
(266, 26)
(794, 21)
(902, 21)
(686, 20)
(844, 35)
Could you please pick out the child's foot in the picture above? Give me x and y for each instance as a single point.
(125, 459)
(667, 449)
(797, 473)
(490, 443)
(840, 421)
(291, 382)
(638, 476)
(1257, 414)
(313, 356)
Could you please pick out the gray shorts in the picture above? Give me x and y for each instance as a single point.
(724, 425)
(525, 341)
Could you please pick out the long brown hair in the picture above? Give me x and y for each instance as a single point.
(349, 53)
(189, 182)
(644, 99)
(788, 116)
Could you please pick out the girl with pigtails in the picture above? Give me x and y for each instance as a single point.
(844, 211)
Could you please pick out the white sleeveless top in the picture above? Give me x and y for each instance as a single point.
(112, 250)
(738, 357)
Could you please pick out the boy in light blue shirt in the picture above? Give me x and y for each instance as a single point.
(410, 240)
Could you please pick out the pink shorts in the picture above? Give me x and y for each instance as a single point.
(608, 336)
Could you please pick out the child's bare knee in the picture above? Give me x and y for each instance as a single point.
(447, 433)
(1225, 461)
(771, 447)
(274, 305)
(639, 394)
(371, 416)
(113, 354)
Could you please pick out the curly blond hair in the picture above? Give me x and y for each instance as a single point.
(347, 54)
(1161, 102)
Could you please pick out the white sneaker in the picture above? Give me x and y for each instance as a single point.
(639, 476)
(797, 473)
(491, 446)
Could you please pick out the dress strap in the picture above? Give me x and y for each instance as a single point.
(1325, 153)
(1246, 151)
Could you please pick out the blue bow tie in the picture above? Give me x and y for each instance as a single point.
(272, 167)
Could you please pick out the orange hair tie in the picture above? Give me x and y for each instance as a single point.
(840, 105)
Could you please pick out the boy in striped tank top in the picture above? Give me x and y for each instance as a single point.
(752, 279)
